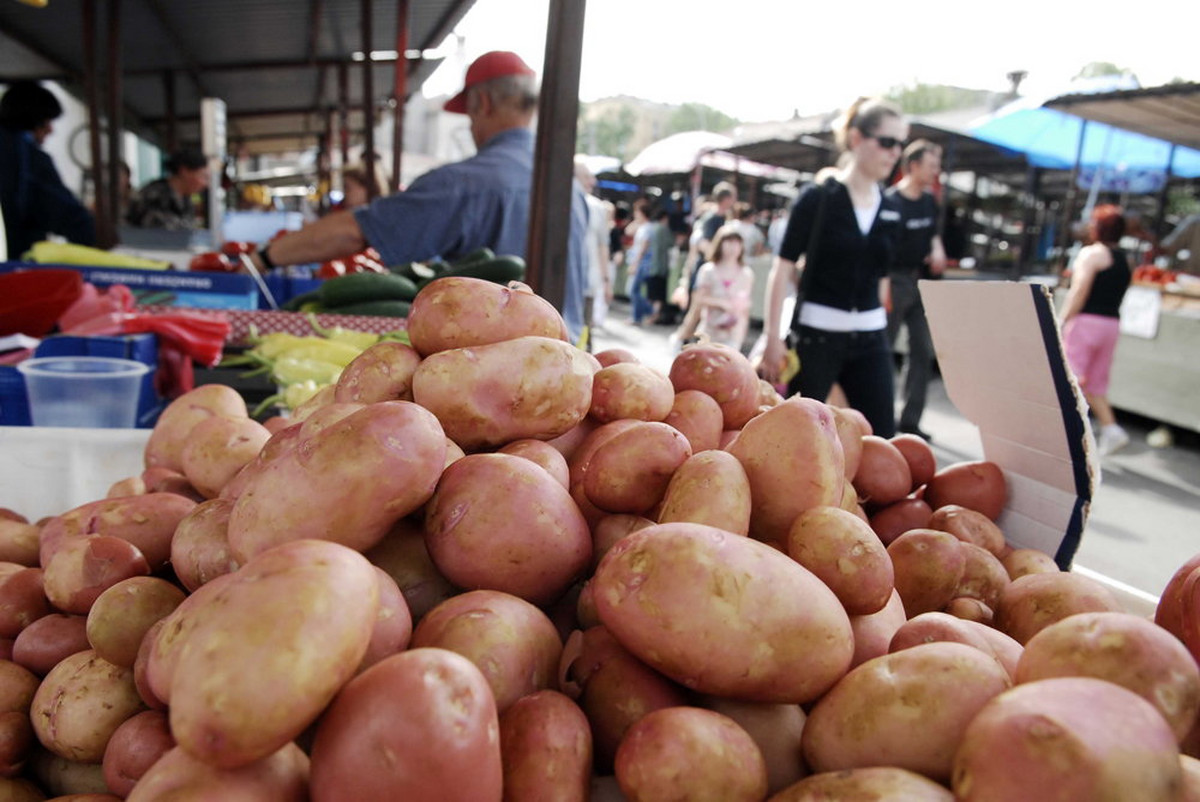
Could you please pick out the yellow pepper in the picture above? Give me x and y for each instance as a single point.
(289, 370)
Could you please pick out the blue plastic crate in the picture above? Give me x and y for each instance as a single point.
(14, 405)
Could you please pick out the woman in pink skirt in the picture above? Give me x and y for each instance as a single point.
(1091, 317)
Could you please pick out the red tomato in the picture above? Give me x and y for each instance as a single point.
(211, 262)
(332, 269)
(233, 248)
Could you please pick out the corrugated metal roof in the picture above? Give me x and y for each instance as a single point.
(1170, 112)
(275, 63)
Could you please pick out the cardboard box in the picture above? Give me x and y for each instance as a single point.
(1002, 361)
(167, 287)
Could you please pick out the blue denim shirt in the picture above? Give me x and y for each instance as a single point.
(480, 201)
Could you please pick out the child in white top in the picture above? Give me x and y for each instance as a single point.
(723, 290)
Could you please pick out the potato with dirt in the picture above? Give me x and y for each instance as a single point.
(793, 458)
(631, 390)
(546, 747)
(690, 753)
(461, 312)
(260, 655)
(217, 448)
(631, 472)
(348, 483)
(723, 614)
(80, 704)
(279, 777)
(1030, 604)
(722, 372)
(709, 488)
(512, 642)
(488, 395)
(147, 521)
(500, 522)
(120, 617)
(383, 372)
(846, 555)
(170, 434)
(907, 709)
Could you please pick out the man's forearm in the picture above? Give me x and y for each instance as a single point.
(332, 236)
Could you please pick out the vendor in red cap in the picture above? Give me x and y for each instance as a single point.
(459, 207)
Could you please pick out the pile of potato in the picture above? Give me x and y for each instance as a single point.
(489, 566)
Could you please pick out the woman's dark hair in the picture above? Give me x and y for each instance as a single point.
(1108, 223)
(28, 105)
(189, 158)
(865, 114)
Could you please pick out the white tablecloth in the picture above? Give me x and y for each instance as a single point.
(46, 471)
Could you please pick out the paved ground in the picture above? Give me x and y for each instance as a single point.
(1145, 519)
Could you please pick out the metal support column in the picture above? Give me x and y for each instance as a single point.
(399, 92)
(553, 170)
(115, 126)
(368, 100)
(91, 80)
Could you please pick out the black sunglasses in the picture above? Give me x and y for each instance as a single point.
(889, 142)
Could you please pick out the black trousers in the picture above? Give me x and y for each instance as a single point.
(908, 311)
(860, 361)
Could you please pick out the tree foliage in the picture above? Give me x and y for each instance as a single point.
(929, 98)
(697, 117)
(1096, 69)
(608, 133)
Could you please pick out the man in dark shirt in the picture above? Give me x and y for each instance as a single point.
(919, 255)
(167, 202)
(34, 200)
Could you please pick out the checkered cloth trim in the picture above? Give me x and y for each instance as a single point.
(266, 322)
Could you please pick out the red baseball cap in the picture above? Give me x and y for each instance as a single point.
(496, 64)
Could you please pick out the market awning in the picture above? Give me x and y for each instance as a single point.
(280, 66)
(1170, 112)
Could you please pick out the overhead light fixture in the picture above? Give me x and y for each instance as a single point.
(35, 3)
(387, 55)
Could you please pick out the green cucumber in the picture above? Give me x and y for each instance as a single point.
(501, 270)
(483, 254)
(387, 308)
(294, 303)
(361, 287)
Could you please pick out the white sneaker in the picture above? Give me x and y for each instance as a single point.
(1112, 439)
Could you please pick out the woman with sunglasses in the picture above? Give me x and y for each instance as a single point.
(845, 230)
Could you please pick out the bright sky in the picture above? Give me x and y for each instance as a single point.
(761, 59)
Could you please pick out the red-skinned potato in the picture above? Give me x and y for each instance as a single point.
(147, 521)
(541, 453)
(895, 519)
(141, 680)
(380, 463)
(514, 644)
(969, 526)
(280, 777)
(568, 442)
(690, 753)
(170, 433)
(922, 464)
(938, 627)
(82, 568)
(1123, 649)
(382, 372)
(393, 624)
(793, 459)
(614, 356)
(1020, 562)
(22, 600)
(609, 530)
(1030, 604)
(61, 777)
(722, 372)
(120, 617)
(158, 479)
(461, 312)
(630, 390)
(983, 577)
(134, 747)
(581, 460)
(482, 402)
(47, 641)
(129, 486)
(676, 595)
(776, 729)
(546, 747)
(316, 604)
(630, 472)
(1068, 738)
(200, 549)
(873, 633)
(851, 434)
(403, 556)
(17, 741)
(928, 566)
(20, 542)
(874, 784)
(502, 523)
(421, 724)
(978, 486)
(17, 687)
(1169, 612)
(709, 488)
(969, 609)
(883, 475)
(698, 417)
(219, 447)
(79, 705)
(867, 718)
(846, 555)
